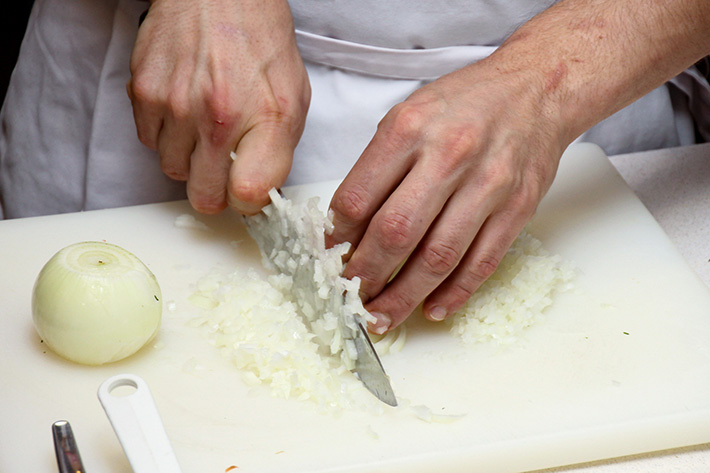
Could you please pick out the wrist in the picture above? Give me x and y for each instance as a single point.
(587, 60)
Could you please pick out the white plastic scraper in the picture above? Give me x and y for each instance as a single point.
(132, 412)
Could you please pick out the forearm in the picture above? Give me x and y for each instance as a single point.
(588, 59)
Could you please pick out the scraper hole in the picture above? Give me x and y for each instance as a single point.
(123, 388)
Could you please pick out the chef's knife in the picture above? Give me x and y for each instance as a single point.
(368, 367)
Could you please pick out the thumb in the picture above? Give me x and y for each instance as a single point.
(262, 161)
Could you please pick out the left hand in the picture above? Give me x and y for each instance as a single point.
(449, 180)
(455, 171)
(211, 77)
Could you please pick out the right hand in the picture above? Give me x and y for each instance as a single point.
(216, 76)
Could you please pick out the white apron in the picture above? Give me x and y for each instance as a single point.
(68, 141)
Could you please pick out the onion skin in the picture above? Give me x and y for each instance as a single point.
(96, 303)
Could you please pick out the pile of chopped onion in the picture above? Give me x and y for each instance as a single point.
(515, 296)
(255, 323)
(284, 330)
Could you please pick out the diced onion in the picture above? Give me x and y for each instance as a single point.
(515, 296)
(291, 237)
(189, 221)
(284, 330)
(427, 415)
(95, 303)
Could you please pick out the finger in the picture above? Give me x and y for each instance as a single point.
(147, 112)
(380, 169)
(209, 168)
(396, 230)
(262, 161)
(435, 258)
(482, 259)
(176, 144)
(490, 245)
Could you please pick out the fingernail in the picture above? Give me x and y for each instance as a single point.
(382, 324)
(437, 313)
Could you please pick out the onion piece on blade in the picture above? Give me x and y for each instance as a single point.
(95, 303)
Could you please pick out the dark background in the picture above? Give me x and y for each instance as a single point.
(13, 21)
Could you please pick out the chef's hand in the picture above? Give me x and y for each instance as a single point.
(455, 171)
(217, 76)
(449, 180)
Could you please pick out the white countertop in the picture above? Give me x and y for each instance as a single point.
(674, 184)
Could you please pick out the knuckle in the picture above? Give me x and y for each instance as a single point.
(175, 174)
(406, 121)
(208, 205)
(142, 90)
(522, 199)
(485, 267)
(277, 122)
(439, 258)
(220, 99)
(148, 139)
(500, 177)
(456, 295)
(219, 105)
(288, 107)
(454, 150)
(369, 283)
(252, 193)
(174, 170)
(284, 112)
(352, 204)
(521, 205)
(205, 199)
(458, 144)
(393, 230)
(399, 304)
(222, 114)
(479, 271)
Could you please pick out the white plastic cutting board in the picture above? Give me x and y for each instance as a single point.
(620, 365)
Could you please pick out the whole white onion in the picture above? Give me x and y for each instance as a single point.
(96, 303)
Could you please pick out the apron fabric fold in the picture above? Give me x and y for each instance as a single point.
(696, 90)
(340, 124)
(47, 111)
(420, 64)
(119, 167)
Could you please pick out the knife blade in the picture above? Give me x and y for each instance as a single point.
(291, 242)
(368, 367)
